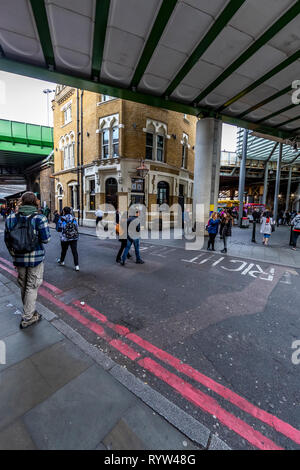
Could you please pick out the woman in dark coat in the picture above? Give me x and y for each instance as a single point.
(227, 231)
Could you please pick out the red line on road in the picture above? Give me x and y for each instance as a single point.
(240, 402)
(125, 349)
(121, 330)
(209, 405)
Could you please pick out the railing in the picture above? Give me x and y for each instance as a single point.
(229, 159)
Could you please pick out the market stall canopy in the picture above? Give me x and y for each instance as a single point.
(22, 144)
(235, 59)
(259, 148)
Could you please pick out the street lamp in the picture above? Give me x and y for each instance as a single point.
(47, 91)
(142, 170)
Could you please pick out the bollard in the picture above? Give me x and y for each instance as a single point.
(253, 232)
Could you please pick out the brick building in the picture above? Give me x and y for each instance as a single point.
(99, 142)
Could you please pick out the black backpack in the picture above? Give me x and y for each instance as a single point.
(70, 230)
(22, 238)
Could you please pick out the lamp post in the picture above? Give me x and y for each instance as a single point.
(47, 91)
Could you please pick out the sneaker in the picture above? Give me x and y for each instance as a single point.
(76, 268)
(122, 262)
(118, 261)
(293, 248)
(35, 318)
(61, 263)
(140, 261)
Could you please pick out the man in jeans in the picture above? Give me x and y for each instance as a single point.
(133, 237)
(30, 266)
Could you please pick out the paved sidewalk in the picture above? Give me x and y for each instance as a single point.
(240, 245)
(59, 392)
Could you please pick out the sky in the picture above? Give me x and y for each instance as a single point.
(22, 99)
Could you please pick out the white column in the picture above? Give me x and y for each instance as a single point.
(297, 199)
(264, 200)
(277, 182)
(207, 164)
(288, 192)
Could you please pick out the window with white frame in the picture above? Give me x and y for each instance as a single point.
(105, 143)
(109, 128)
(156, 134)
(115, 141)
(106, 98)
(68, 114)
(66, 146)
(160, 142)
(91, 194)
(73, 195)
(149, 146)
(184, 154)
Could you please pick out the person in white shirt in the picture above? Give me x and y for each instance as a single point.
(266, 227)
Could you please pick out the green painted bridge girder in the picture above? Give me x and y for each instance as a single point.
(23, 144)
(32, 135)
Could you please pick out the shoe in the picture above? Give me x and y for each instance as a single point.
(293, 248)
(140, 261)
(224, 251)
(35, 318)
(61, 263)
(208, 249)
(122, 262)
(76, 268)
(118, 261)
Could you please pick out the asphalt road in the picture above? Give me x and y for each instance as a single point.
(210, 332)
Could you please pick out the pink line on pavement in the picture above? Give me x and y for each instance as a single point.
(209, 405)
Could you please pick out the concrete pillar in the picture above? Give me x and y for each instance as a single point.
(288, 192)
(297, 199)
(207, 164)
(242, 175)
(264, 199)
(277, 183)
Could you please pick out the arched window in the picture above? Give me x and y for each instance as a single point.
(109, 129)
(163, 193)
(156, 134)
(111, 192)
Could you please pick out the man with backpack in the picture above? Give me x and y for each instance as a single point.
(26, 231)
(68, 227)
(296, 230)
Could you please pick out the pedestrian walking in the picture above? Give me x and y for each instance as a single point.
(69, 235)
(134, 239)
(25, 234)
(227, 230)
(296, 230)
(212, 228)
(121, 234)
(99, 215)
(266, 227)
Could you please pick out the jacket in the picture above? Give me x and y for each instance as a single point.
(227, 229)
(266, 227)
(40, 225)
(213, 226)
(296, 221)
(62, 223)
